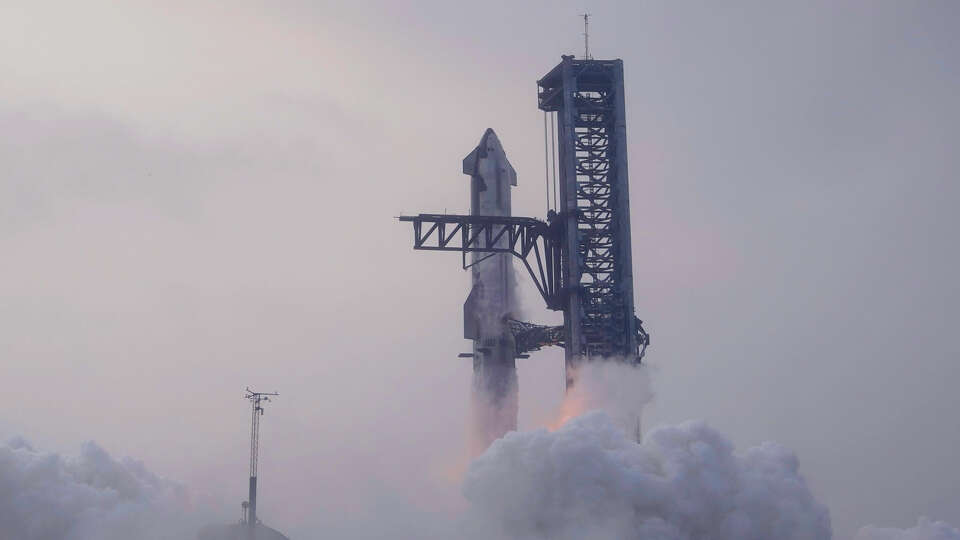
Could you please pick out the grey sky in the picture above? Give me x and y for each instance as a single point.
(197, 197)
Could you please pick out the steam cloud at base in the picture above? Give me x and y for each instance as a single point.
(590, 479)
(618, 389)
(587, 479)
(924, 530)
(45, 496)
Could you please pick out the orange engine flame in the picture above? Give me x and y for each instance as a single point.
(573, 406)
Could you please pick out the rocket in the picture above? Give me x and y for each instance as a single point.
(492, 298)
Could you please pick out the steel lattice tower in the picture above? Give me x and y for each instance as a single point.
(597, 278)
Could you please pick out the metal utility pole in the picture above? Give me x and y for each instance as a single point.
(256, 400)
(586, 37)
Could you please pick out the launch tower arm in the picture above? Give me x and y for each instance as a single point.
(525, 238)
(533, 337)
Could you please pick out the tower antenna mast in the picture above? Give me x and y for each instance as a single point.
(586, 36)
(256, 400)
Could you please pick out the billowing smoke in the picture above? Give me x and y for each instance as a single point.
(46, 496)
(617, 388)
(590, 479)
(925, 530)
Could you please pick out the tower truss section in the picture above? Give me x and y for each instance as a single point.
(596, 278)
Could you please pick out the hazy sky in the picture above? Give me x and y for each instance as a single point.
(199, 196)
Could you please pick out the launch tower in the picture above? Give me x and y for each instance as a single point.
(580, 258)
(594, 208)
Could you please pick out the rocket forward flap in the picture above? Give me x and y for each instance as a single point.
(470, 162)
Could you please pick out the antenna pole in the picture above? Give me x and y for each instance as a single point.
(586, 37)
(256, 400)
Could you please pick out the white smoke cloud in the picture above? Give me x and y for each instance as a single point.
(925, 530)
(46, 496)
(617, 388)
(589, 479)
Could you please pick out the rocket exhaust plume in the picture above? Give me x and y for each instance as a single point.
(619, 388)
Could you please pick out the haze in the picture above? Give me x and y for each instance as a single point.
(198, 196)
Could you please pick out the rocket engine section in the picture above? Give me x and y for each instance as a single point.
(492, 299)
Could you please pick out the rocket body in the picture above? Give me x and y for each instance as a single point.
(492, 297)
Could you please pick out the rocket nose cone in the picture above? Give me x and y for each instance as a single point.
(490, 141)
(489, 147)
